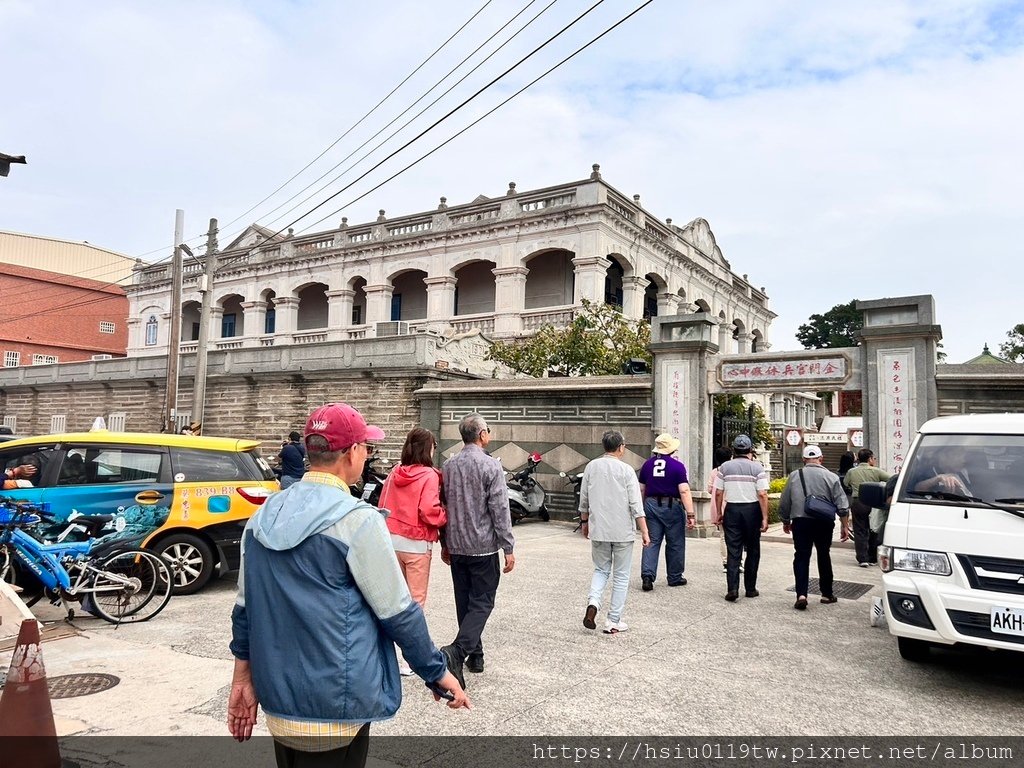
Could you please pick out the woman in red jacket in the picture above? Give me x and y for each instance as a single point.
(413, 494)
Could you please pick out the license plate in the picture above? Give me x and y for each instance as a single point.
(368, 490)
(1008, 621)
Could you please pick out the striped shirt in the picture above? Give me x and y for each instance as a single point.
(741, 479)
(314, 735)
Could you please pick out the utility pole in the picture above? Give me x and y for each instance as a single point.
(174, 342)
(206, 286)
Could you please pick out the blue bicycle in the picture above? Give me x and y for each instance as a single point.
(118, 585)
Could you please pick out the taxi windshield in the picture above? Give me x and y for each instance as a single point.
(966, 469)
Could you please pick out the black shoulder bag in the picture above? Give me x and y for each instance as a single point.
(817, 507)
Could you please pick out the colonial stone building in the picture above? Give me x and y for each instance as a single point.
(505, 266)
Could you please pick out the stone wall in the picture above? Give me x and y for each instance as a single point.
(258, 394)
(562, 419)
(980, 389)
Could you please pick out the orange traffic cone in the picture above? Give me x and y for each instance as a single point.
(28, 735)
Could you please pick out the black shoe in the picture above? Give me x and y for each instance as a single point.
(451, 657)
(475, 663)
(752, 593)
(648, 584)
(731, 596)
(829, 599)
(680, 583)
(800, 604)
(589, 616)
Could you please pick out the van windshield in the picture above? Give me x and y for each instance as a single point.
(966, 469)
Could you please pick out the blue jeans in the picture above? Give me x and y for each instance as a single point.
(288, 480)
(611, 559)
(666, 522)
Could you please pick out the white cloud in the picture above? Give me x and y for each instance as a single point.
(839, 150)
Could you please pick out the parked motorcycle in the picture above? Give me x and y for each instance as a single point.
(371, 483)
(525, 495)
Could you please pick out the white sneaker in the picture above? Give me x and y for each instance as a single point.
(864, 565)
(404, 669)
(614, 627)
(725, 568)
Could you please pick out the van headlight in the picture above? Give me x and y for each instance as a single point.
(916, 560)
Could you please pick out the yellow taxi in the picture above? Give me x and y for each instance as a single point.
(186, 498)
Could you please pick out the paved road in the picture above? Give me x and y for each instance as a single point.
(691, 663)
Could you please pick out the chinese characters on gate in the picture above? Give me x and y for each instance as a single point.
(674, 398)
(819, 370)
(896, 402)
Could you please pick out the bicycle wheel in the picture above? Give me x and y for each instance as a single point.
(31, 588)
(130, 587)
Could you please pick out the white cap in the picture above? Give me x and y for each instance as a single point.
(812, 452)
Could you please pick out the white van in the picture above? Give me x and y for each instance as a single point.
(952, 553)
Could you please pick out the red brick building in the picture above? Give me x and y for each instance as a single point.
(46, 317)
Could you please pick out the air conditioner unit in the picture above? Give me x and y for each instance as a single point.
(102, 357)
(392, 328)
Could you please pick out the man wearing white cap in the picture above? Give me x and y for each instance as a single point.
(804, 509)
(665, 488)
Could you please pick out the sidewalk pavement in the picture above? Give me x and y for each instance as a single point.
(691, 662)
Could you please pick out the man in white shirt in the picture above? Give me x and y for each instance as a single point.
(741, 493)
(610, 511)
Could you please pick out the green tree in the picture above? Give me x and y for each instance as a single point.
(736, 407)
(1013, 350)
(836, 328)
(596, 343)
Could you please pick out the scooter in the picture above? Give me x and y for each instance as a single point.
(525, 495)
(371, 483)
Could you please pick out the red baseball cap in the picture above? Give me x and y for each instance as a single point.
(341, 425)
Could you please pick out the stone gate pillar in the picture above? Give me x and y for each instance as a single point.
(682, 346)
(898, 342)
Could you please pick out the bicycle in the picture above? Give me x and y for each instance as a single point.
(120, 586)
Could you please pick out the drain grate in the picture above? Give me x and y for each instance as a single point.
(846, 590)
(72, 686)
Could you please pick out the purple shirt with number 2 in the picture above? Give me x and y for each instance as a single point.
(661, 475)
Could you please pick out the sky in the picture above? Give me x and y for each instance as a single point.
(839, 150)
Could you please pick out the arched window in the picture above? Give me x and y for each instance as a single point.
(151, 327)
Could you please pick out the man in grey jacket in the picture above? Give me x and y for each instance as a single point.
(479, 526)
(809, 531)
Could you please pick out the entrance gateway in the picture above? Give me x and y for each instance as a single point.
(894, 368)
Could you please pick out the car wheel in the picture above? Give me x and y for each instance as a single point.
(913, 650)
(190, 560)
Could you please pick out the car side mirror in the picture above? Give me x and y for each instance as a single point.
(872, 495)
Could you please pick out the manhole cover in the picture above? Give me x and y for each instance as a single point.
(71, 686)
(847, 590)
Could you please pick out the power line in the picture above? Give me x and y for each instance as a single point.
(407, 109)
(575, 53)
(447, 141)
(346, 133)
(420, 135)
(361, 119)
(36, 291)
(74, 304)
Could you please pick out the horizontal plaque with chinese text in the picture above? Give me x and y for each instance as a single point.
(815, 370)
